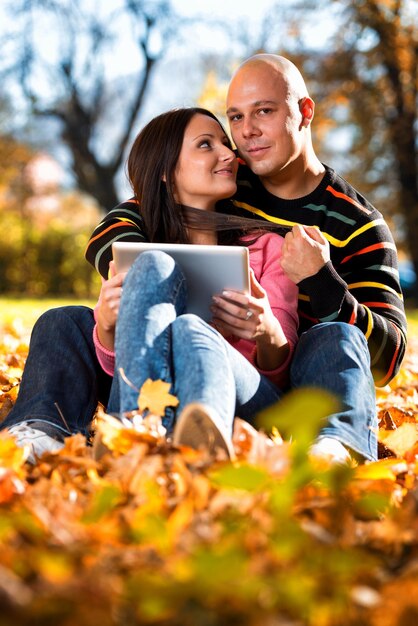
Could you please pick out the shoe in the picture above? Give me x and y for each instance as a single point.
(329, 451)
(36, 440)
(200, 427)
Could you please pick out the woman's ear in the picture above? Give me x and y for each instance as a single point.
(164, 178)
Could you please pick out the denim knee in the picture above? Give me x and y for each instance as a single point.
(189, 323)
(150, 263)
(330, 335)
(55, 320)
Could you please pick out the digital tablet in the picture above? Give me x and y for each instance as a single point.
(208, 269)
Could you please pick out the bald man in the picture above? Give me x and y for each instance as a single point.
(339, 252)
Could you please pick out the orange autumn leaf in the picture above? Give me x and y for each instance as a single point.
(117, 437)
(155, 397)
(11, 456)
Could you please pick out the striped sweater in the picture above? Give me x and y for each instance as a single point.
(360, 285)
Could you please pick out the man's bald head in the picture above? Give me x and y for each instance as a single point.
(278, 66)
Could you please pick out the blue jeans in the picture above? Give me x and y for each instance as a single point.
(334, 356)
(61, 374)
(62, 369)
(156, 339)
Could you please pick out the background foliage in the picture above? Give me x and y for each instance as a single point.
(71, 99)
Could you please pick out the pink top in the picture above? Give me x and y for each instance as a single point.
(283, 297)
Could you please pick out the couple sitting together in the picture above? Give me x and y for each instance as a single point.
(325, 307)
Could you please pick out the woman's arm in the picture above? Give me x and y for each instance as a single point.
(273, 322)
(250, 317)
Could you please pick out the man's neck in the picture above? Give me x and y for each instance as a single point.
(296, 181)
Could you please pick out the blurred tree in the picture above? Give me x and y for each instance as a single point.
(59, 57)
(364, 79)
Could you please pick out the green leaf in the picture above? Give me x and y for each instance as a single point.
(245, 477)
(300, 414)
(103, 502)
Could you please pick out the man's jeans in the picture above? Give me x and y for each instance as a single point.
(62, 371)
(334, 356)
(157, 339)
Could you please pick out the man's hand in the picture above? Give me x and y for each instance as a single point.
(305, 251)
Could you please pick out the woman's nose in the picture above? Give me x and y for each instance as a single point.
(227, 154)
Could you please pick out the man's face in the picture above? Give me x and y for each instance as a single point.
(265, 120)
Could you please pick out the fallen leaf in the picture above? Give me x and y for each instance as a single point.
(154, 396)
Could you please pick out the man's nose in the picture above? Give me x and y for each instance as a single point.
(248, 128)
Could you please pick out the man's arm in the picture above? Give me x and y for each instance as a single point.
(123, 223)
(363, 291)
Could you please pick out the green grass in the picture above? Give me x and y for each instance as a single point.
(27, 310)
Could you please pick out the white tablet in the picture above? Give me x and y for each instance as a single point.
(208, 269)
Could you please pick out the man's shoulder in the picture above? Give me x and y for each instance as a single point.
(342, 194)
(128, 209)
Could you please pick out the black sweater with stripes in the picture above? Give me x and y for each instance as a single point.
(360, 285)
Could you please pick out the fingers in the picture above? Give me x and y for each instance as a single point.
(300, 231)
(314, 233)
(235, 310)
(112, 269)
(256, 289)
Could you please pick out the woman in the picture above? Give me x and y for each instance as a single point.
(180, 166)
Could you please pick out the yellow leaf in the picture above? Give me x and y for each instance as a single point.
(154, 396)
(11, 456)
(115, 436)
(400, 440)
(386, 469)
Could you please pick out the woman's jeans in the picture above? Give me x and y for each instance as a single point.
(62, 371)
(157, 339)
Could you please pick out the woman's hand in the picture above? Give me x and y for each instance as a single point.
(250, 317)
(108, 307)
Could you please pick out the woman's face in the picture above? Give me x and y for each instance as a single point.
(206, 169)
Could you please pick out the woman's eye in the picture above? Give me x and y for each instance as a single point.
(204, 144)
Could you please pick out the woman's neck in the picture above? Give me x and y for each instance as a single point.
(202, 237)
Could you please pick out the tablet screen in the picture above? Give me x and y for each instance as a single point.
(208, 269)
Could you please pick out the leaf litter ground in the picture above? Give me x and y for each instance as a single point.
(131, 530)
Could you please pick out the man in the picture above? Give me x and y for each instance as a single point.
(340, 252)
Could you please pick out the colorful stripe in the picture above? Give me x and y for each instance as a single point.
(380, 286)
(377, 246)
(343, 196)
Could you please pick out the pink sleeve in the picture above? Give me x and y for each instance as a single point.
(105, 357)
(282, 293)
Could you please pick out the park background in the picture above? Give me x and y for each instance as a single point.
(79, 79)
(148, 534)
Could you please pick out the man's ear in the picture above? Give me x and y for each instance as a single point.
(307, 108)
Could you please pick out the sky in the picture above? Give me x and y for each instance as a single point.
(228, 9)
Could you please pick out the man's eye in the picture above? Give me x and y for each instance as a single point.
(235, 118)
(264, 111)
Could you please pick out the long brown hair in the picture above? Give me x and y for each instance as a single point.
(150, 167)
